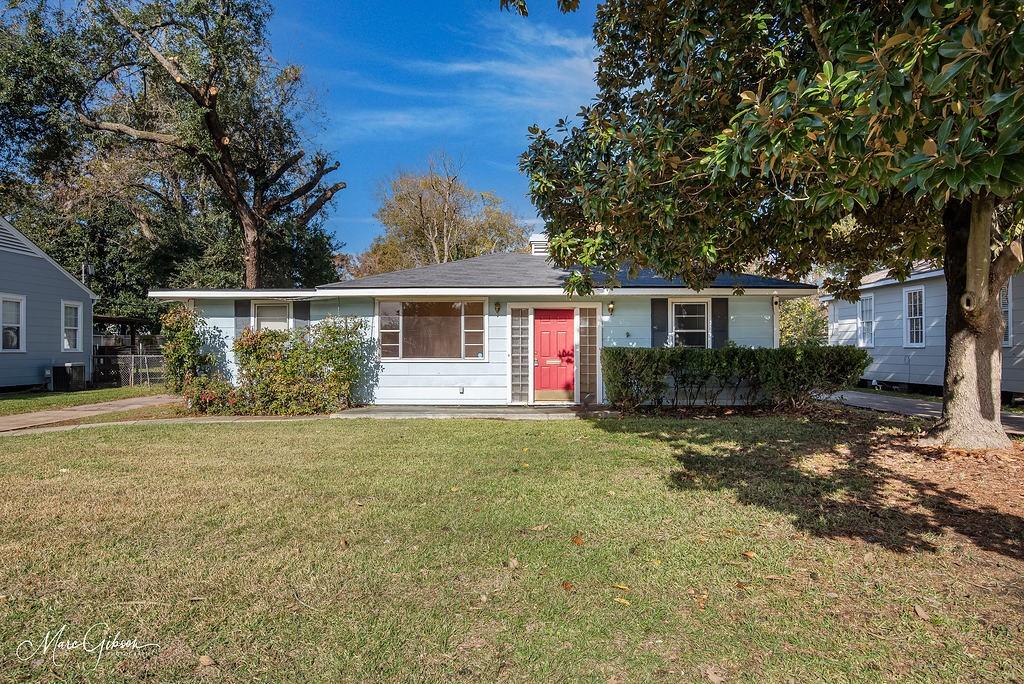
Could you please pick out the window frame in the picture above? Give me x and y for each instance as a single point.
(706, 301)
(860, 322)
(254, 316)
(462, 330)
(907, 343)
(64, 303)
(1008, 334)
(22, 337)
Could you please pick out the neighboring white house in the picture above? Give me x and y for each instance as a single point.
(46, 315)
(499, 329)
(903, 327)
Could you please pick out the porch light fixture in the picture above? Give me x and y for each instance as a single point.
(497, 307)
(611, 308)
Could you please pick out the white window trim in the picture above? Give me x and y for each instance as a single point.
(461, 359)
(78, 338)
(1008, 341)
(22, 336)
(860, 322)
(672, 319)
(275, 302)
(907, 344)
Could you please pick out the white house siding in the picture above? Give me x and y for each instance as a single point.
(751, 321)
(486, 382)
(220, 316)
(892, 362)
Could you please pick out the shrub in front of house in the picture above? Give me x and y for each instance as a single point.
(189, 347)
(328, 367)
(789, 376)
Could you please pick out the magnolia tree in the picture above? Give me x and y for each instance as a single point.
(732, 132)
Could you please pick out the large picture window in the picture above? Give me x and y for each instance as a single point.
(71, 326)
(12, 317)
(431, 330)
(913, 317)
(690, 324)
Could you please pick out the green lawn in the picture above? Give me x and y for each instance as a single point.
(26, 402)
(757, 548)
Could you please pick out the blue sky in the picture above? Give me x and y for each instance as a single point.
(398, 80)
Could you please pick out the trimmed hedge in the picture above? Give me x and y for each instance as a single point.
(789, 376)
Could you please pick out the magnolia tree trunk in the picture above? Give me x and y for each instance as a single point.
(974, 334)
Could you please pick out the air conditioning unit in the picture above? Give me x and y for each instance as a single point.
(69, 378)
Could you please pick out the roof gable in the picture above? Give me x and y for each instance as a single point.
(13, 240)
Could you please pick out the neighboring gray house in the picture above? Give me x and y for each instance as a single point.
(903, 327)
(499, 329)
(46, 314)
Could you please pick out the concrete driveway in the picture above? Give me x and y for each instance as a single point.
(1013, 423)
(21, 421)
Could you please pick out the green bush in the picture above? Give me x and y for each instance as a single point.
(633, 377)
(211, 396)
(789, 376)
(325, 368)
(191, 347)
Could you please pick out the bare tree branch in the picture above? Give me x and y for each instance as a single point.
(283, 201)
(314, 208)
(149, 136)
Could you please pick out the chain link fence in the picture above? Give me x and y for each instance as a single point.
(128, 369)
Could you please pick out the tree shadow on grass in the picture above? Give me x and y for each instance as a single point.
(835, 477)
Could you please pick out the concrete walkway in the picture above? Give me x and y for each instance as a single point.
(1013, 423)
(485, 412)
(23, 421)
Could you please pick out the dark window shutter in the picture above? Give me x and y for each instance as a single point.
(719, 322)
(300, 314)
(243, 315)
(659, 322)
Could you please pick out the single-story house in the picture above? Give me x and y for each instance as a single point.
(903, 326)
(46, 316)
(499, 329)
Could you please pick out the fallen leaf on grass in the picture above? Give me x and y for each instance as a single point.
(750, 554)
(540, 528)
(621, 587)
(715, 674)
(577, 540)
(568, 586)
(619, 599)
(512, 564)
(920, 612)
(455, 489)
(206, 661)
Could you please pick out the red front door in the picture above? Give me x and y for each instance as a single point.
(553, 362)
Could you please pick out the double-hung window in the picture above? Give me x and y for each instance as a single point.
(71, 326)
(432, 330)
(913, 317)
(1004, 307)
(866, 321)
(690, 324)
(12, 323)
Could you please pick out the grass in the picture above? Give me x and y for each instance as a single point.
(26, 402)
(759, 548)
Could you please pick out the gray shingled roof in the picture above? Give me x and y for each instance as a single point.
(530, 270)
(918, 268)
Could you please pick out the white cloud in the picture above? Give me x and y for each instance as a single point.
(527, 72)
